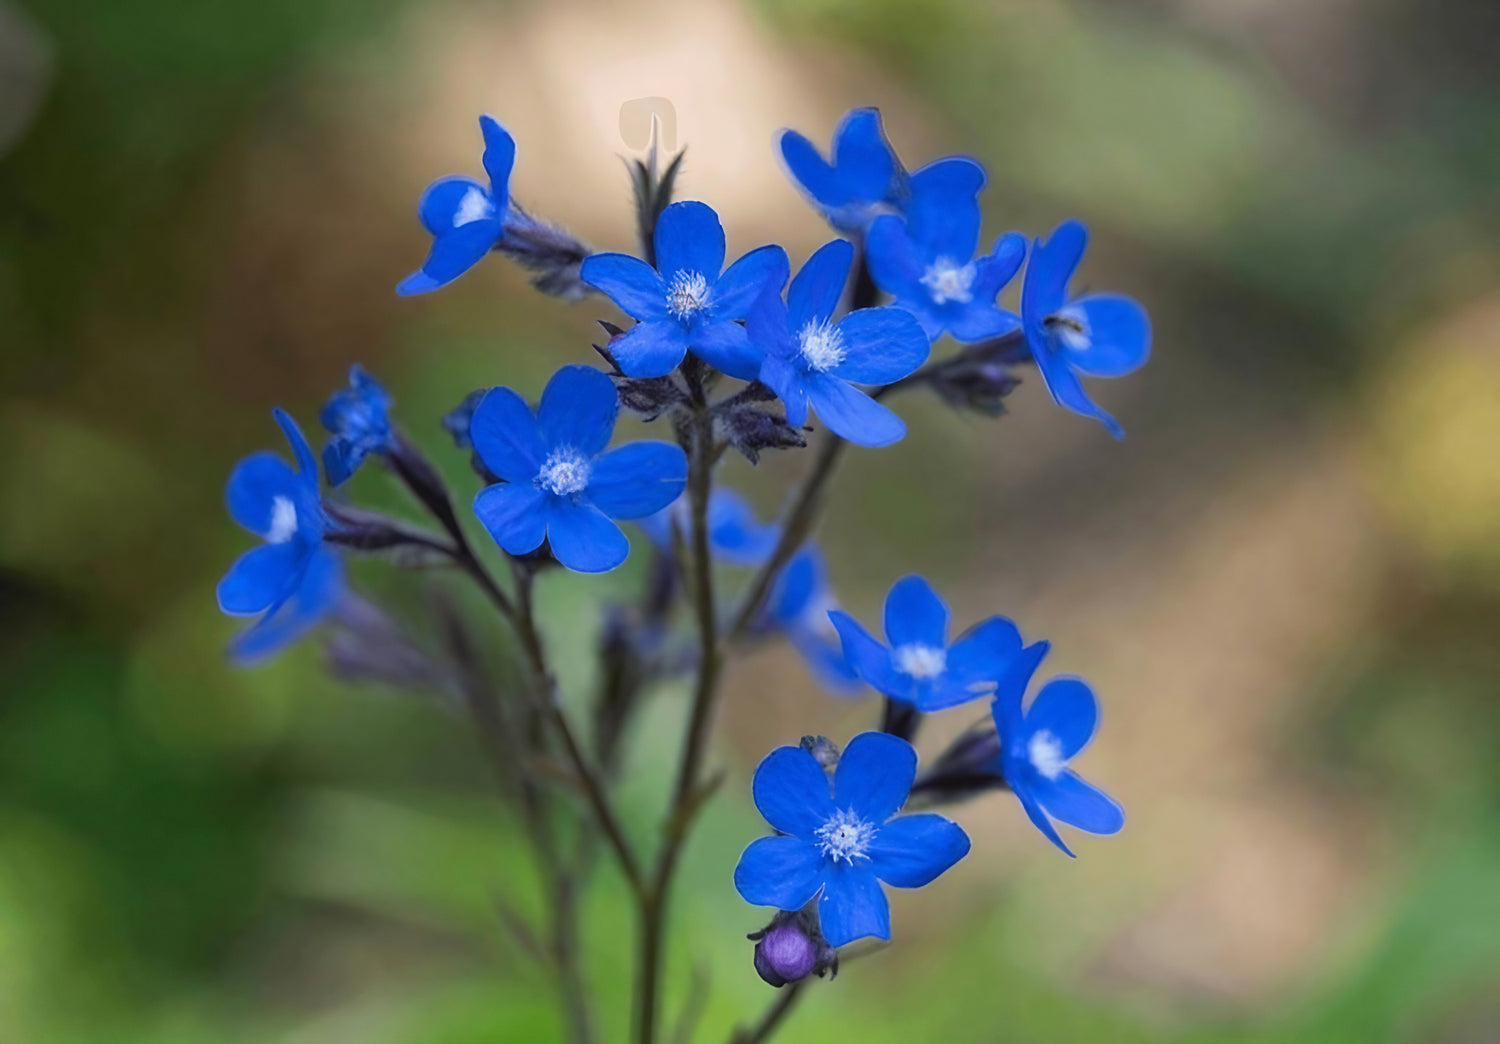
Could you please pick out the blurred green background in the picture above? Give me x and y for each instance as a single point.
(1285, 584)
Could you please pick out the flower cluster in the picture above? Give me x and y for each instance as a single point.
(748, 357)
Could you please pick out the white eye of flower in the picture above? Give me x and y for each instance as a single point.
(822, 346)
(845, 837)
(921, 661)
(475, 206)
(1071, 326)
(1044, 751)
(687, 295)
(565, 472)
(946, 281)
(283, 521)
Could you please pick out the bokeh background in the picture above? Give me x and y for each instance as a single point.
(1285, 583)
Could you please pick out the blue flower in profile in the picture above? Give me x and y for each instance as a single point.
(926, 261)
(861, 178)
(735, 535)
(1037, 746)
(559, 484)
(684, 303)
(840, 839)
(919, 666)
(466, 217)
(811, 360)
(293, 580)
(358, 418)
(1096, 335)
(798, 606)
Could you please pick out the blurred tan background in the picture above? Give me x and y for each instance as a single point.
(1285, 584)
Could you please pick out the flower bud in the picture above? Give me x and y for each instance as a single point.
(824, 751)
(791, 948)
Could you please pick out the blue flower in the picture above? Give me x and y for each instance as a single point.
(293, 580)
(809, 358)
(1037, 745)
(1096, 335)
(558, 483)
(840, 841)
(735, 535)
(799, 604)
(927, 262)
(863, 178)
(919, 666)
(466, 219)
(684, 303)
(358, 419)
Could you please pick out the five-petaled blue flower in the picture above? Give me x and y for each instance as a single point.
(1097, 335)
(293, 579)
(735, 535)
(684, 303)
(926, 262)
(810, 359)
(839, 837)
(558, 483)
(798, 605)
(919, 666)
(1038, 744)
(358, 417)
(466, 219)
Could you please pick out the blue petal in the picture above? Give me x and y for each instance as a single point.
(896, 263)
(915, 615)
(798, 584)
(784, 872)
(792, 791)
(725, 345)
(504, 433)
(912, 851)
(342, 458)
(307, 464)
(737, 536)
(260, 578)
(883, 345)
(1011, 691)
(253, 487)
(763, 270)
(980, 659)
(689, 238)
(627, 281)
(1052, 265)
(781, 377)
(316, 595)
(637, 479)
(1064, 386)
(815, 293)
(1067, 708)
(973, 323)
(651, 349)
(583, 538)
(1079, 804)
(810, 170)
(578, 410)
(499, 158)
(862, 156)
(994, 271)
(851, 414)
(874, 775)
(453, 253)
(853, 906)
(943, 212)
(768, 327)
(1119, 336)
(443, 199)
(826, 658)
(868, 658)
(1038, 817)
(515, 515)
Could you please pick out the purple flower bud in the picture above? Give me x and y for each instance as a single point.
(785, 955)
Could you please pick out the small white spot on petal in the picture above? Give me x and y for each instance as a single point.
(475, 206)
(687, 295)
(1045, 754)
(283, 521)
(845, 837)
(922, 662)
(946, 281)
(822, 346)
(565, 472)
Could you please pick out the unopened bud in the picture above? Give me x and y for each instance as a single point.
(791, 948)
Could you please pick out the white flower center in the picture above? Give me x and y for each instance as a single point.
(687, 295)
(946, 281)
(283, 521)
(921, 661)
(1071, 326)
(845, 837)
(822, 345)
(475, 206)
(565, 472)
(1044, 751)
